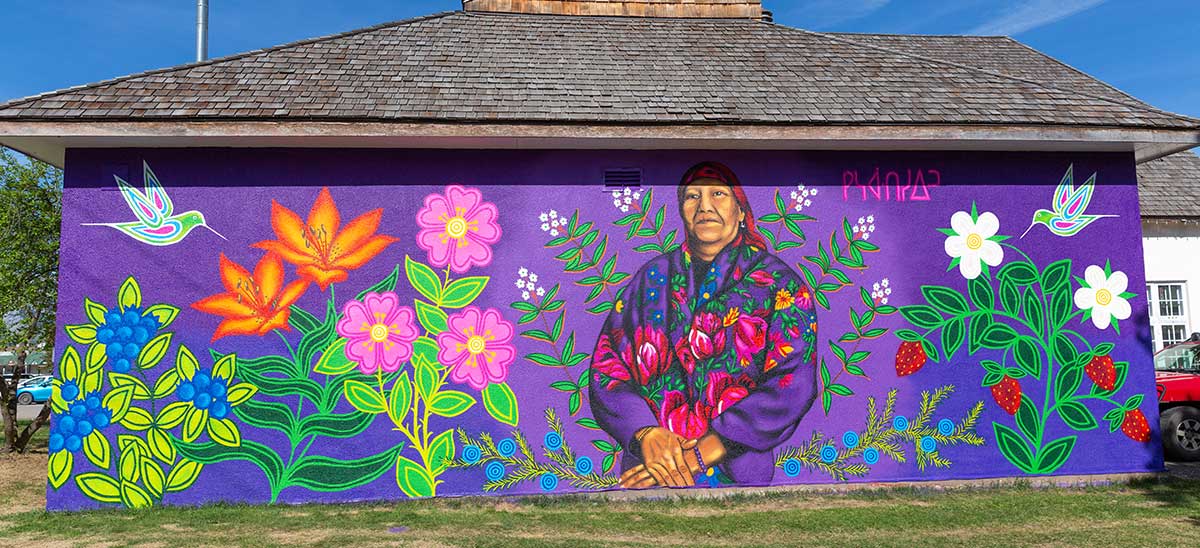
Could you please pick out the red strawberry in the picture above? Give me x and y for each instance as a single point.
(1102, 372)
(1135, 426)
(910, 358)
(1007, 394)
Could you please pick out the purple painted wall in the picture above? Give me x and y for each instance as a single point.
(307, 409)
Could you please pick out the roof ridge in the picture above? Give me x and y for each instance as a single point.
(980, 36)
(1137, 105)
(241, 55)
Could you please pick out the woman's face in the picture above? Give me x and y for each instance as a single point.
(711, 214)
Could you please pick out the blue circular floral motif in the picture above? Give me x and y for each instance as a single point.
(850, 439)
(470, 454)
(552, 441)
(791, 468)
(828, 453)
(945, 427)
(69, 391)
(900, 423)
(81, 419)
(583, 465)
(548, 482)
(871, 455)
(124, 335)
(927, 444)
(494, 470)
(206, 392)
(506, 447)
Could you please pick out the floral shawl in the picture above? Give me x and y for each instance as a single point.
(732, 354)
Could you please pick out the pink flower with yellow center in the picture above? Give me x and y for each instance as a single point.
(379, 332)
(458, 228)
(477, 346)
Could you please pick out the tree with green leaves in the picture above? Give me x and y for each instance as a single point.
(30, 214)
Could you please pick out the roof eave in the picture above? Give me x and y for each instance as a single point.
(48, 140)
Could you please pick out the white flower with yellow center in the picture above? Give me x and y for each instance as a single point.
(1103, 293)
(971, 241)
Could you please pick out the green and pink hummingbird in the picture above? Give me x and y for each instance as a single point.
(1070, 207)
(153, 208)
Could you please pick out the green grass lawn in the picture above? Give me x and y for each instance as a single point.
(1147, 513)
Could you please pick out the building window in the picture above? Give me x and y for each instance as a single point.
(1168, 313)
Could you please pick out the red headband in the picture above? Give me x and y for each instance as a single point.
(747, 235)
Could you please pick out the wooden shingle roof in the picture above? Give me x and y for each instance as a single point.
(1167, 186)
(509, 68)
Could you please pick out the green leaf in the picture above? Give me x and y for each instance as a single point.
(267, 414)
(1010, 297)
(441, 451)
(256, 453)
(501, 403)
(164, 313)
(432, 318)
(463, 291)
(140, 390)
(840, 389)
(413, 479)
(1034, 314)
(979, 326)
(225, 432)
(427, 380)
(1064, 350)
(333, 360)
(400, 399)
(1028, 357)
(423, 279)
(130, 295)
(84, 333)
(329, 475)
(922, 316)
(304, 322)
(907, 335)
(1013, 448)
(952, 337)
(99, 487)
(981, 293)
(1019, 272)
(94, 311)
(385, 285)
(275, 386)
(1060, 305)
(1056, 274)
(1076, 416)
(1027, 419)
(588, 423)
(992, 379)
(603, 446)
(945, 299)
(154, 351)
(1122, 372)
(998, 336)
(364, 398)
(451, 403)
(183, 475)
(1054, 455)
(1067, 382)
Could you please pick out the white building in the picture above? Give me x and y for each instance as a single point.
(1171, 241)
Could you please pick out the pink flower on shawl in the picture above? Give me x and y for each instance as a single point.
(677, 416)
(707, 336)
(750, 335)
(683, 351)
(724, 391)
(779, 349)
(803, 298)
(458, 228)
(762, 278)
(652, 353)
(379, 332)
(477, 346)
(609, 362)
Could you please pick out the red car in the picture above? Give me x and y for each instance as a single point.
(1177, 373)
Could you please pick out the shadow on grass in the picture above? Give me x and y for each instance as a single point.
(1179, 488)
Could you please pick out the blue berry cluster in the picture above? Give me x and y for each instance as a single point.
(206, 392)
(82, 418)
(124, 335)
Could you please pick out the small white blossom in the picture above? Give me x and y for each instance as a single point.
(523, 272)
(861, 220)
(807, 203)
(795, 194)
(637, 195)
(866, 236)
(543, 217)
(628, 191)
(883, 301)
(530, 288)
(553, 214)
(1103, 296)
(545, 227)
(541, 291)
(520, 284)
(876, 286)
(533, 277)
(814, 192)
(885, 282)
(799, 207)
(624, 209)
(870, 218)
(554, 232)
(887, 291)
(871, 228)
(616, 194)
(617, 202)
(628, 200)
(972, 244)
(525, 295)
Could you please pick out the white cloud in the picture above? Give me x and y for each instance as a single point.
(820, 14)
(1031, 14)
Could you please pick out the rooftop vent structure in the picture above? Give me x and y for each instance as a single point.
(713, 9)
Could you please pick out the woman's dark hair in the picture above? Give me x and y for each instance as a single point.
(747, 234)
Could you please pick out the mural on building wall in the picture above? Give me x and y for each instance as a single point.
(353, 341)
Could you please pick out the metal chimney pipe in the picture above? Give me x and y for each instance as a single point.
(201, 30)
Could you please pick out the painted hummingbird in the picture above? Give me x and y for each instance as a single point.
(153, 208)
(1070, 206)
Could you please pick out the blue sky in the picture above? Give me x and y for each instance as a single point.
(1146, 48)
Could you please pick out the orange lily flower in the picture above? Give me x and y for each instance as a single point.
(321, 252)
(252, 305)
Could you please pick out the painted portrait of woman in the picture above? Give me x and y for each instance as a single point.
(706, 364)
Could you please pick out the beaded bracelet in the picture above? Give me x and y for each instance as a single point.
(700, 460)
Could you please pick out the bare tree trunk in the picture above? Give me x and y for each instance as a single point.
(43, 418)
(8, 397)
